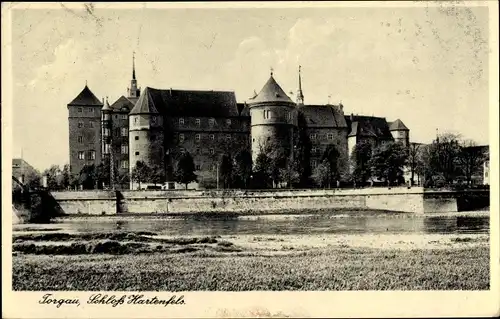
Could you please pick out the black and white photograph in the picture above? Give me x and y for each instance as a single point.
(248, 147)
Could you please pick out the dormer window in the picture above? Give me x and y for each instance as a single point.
(181, 121)
(211, 122)
(198, 122)
(80, 109)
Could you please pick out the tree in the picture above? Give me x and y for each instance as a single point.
(329, 160)
(32, 179)
(262, 173)
(157, 174)
(87, 177)
(141, 173)
(442, 159)
(226, 170)
(184, 172)
(66, 176)
(103, 174)
(361, 155)
(242, 167)
(53, 174)
(388, 161)
(470, 159)
(301, 152)
(414, 160)
(322, 174)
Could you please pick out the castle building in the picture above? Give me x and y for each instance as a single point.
(156, 126)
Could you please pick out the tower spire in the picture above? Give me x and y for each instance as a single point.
(300, 95)
(133, 65)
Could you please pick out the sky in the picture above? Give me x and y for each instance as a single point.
(427, 66)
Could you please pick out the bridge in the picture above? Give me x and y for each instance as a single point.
(32, 205)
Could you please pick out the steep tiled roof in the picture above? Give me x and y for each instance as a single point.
(106, 106)
(122, 103)
(271, 92)
(368, 126)
(187, 103)
(86, 97)
(322, 116)
(397, 125)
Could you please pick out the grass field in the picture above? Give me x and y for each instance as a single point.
(133, 262)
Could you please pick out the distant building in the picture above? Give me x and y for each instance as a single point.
(22, 170)
(157, 125)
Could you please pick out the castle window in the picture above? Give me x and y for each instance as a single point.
(136, 153)
(91, 110)
(228, 122)
(181, 121)
(211, 122)
(314, 163)
(198, 167)
(124, 131)
(198, 151)
(314, 150)
(197, 137)
(253, 139)
(137, 138)
(80, 124)
(212, 152)
(91, 155)
(124, 164)
(124, 149)
(198, 122)
(91, 124)
(106, 148)
(135, 120)
(80, 139)
(330, 136)
(212, 137)
(124, 117)
(80, 109)
(313, 136)
(181, 137)
(81, 155)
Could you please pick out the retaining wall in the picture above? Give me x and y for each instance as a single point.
(181, 201)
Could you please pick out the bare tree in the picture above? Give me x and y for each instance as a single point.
(470, 158)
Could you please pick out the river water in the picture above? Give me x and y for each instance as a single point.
(321, 223)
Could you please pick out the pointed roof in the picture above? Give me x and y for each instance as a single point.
(106, 106)
(145, 104)
(271, 92)
(397, 125)
(86, 97)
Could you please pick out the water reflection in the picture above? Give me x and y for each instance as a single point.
(286, 224)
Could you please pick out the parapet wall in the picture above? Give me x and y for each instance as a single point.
(414, 200)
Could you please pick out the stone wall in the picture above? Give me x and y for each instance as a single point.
(401, 199)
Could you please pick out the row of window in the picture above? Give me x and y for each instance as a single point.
(211, 122)
(314, 136)
(197, 137)
(81, 124)
(269, 114)
(90, 155)
(89, 109)
(119, 131)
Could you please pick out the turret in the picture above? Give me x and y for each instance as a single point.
(273, 115)
(400, 132)
(145, 132)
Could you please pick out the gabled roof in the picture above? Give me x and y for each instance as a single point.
(122, 104)
(86, 97)
(322, 116)
(187, 103)
(368, 126)
(397, 125)
(271, 92)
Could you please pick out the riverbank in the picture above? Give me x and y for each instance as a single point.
(148, 261)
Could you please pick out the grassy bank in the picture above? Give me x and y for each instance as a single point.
(319, 269)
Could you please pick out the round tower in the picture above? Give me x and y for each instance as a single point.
(400, 132)
(145, 134)
(273, 116)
